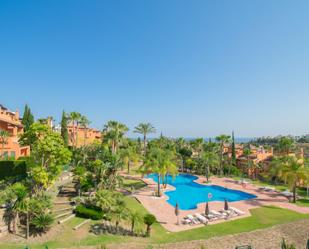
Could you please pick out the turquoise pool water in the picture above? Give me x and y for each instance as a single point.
(189, 193)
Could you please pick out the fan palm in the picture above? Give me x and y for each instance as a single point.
(135, 218)
(114, 133)
(144, 129)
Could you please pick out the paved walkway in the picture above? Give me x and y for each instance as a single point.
(165, 212)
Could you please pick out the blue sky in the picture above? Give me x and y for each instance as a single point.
(191, 68)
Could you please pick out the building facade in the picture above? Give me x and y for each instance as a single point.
(10, 122)
(81, 136)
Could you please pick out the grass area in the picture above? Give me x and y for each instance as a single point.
(135, 184)
(303, 202)
(261, 218)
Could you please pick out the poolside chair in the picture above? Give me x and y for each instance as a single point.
(237, 211)
(193, 220)
(201, 218)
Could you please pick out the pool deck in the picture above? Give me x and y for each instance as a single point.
(165, 213)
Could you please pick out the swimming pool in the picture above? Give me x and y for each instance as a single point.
(189, 193)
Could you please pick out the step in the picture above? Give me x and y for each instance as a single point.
(62, 215)
(66, 219)
(81, 224)
(62, 209)
(62, 202)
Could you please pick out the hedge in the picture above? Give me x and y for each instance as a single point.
(93, 213)
(12, 168)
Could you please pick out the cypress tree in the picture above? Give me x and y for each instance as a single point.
(28, 118)
(233, 150)
(64, 128)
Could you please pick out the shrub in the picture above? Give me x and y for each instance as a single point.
(93, 213)
(42, 221)
(11, 168)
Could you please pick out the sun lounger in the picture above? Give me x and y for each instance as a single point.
(201, 218)
(287, 193)
(237, 211)
(217, 214)
(193, 219)
(267, 188)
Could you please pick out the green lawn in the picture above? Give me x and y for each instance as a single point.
(261, 218)
(135, 184)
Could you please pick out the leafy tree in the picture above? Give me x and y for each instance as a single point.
(149, 219)
(27, 119)
(128, 155)
(113, 133)
(144, 129)
(64, 129)
(4, 137)
(222, 139)
(292, 171)
(285, 145)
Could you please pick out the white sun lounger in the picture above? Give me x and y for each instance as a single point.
(239, 212)
(267, 188)
(287, 193)
(192, 219)
(201, 218)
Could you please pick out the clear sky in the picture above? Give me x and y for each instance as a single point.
(191, 68)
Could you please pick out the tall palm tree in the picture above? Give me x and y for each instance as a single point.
(4, 137)
(210, 159)
(292, 171)
(160, 162)
(74, 117)
(222, 139)
(114, 133)
(144, 129)
(84, 122)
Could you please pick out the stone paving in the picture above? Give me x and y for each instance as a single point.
(165, 213)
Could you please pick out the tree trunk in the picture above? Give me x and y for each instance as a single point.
(207, 172)
(148, 231)
(159, 193)
(27, 224)
(132, 226)
(294, 193)
(128, 165)
(144, 144)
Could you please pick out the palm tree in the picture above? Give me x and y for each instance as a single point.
(149, 219)
(114, 132)
(128, 155)
(247, 152)
(135, 218)
(210, 159)
(160, 162)
(84, 122)
(222, 139)
(292, 171)
(197, 145)
(74, 117)
(4, 137)
(144, 129)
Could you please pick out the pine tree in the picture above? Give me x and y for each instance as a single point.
(28, 118)
(64, 129)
